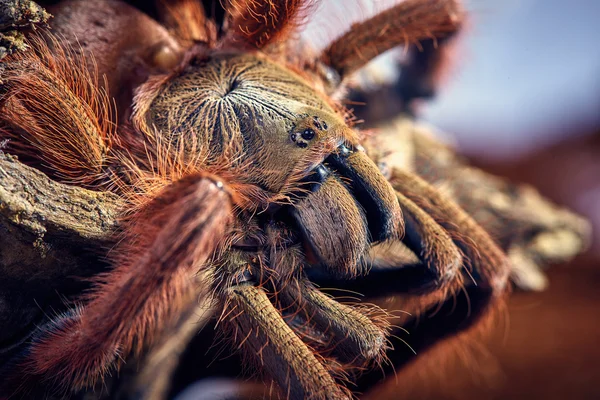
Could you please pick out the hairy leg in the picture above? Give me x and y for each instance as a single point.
(56, 116)
(404, 24)
(155, 378)
(257, 24)
(460, 274)
(464, 304)
(164, 245)
(259, 326)
(487, 263)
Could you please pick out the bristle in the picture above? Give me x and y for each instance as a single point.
(431, 243)
(255, 24)
(354, 335)
(478, 248)
(162, 361)
(212, 144)
(263, 333)
(54, 110)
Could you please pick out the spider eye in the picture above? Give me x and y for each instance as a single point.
(308, 134)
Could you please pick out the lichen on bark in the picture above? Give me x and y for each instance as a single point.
(16, 17)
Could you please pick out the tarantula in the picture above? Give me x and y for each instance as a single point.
(243, 180)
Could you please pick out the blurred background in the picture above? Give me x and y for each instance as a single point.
(522, 100)
(524, 94)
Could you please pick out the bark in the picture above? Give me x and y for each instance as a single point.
(17, 16)
(51, 235)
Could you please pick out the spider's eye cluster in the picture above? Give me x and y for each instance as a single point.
(307, 129)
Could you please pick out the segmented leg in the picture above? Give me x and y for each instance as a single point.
(261, 328)
(346, 333)
(422, 72)
(461, 270)
(487, 262)
(188, 21)
(155, 379)
(304, 340)
(433, 245)
(351, 335)
(165, 244)
(256, 24)
(438, 267)
(485, 274)
(55, 114)
(404, 24)
(124, 45)
(426, 212)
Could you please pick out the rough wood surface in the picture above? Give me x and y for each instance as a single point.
(51, 235)
(17, 16)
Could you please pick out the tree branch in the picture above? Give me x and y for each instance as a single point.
(51, 235)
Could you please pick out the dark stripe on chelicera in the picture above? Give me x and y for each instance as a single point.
(379, 217)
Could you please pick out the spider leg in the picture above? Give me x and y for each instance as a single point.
(188, 20)
(54, 112)
(423, 70)
(432, 244)
(435, 228)
(438, 266)
(155, 379)
(439, 259)
(445, 239)
(406, 23)
(256, 24)
(282, 353)
(352, 337)
(166, 242)
(488, 263)
(471, 300)
(118, 42)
